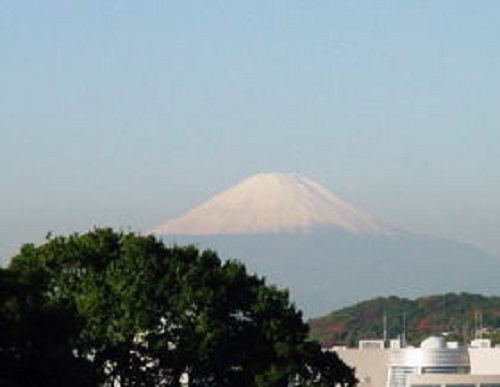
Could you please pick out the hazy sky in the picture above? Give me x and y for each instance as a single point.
(125, 113)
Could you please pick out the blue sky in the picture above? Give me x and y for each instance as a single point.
(126, 113)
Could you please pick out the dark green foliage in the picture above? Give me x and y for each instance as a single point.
(37, 336)
(455, 315)
(109, 306)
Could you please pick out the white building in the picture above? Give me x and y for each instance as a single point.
(435, 363)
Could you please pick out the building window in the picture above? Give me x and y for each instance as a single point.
(446, 370)
(398, 375)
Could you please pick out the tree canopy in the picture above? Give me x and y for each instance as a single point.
(108, 307)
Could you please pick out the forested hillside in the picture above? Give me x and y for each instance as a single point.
(459, 316)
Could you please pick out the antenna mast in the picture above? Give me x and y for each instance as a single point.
(404, 330)
(385, 326)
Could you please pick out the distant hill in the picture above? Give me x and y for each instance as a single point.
(459, 316)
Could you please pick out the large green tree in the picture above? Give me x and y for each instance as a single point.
(136, 312)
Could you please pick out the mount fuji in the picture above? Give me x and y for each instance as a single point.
(273, 203)
(328, 252)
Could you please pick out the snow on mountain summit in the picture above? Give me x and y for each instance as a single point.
(272, 203)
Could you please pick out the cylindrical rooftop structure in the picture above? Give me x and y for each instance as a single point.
(432, 357)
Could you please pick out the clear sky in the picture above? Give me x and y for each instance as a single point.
(124, 113)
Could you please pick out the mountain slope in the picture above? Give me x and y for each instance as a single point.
(330, 269)
(273, 203)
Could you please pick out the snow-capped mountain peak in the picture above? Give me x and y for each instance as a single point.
(273, 203)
